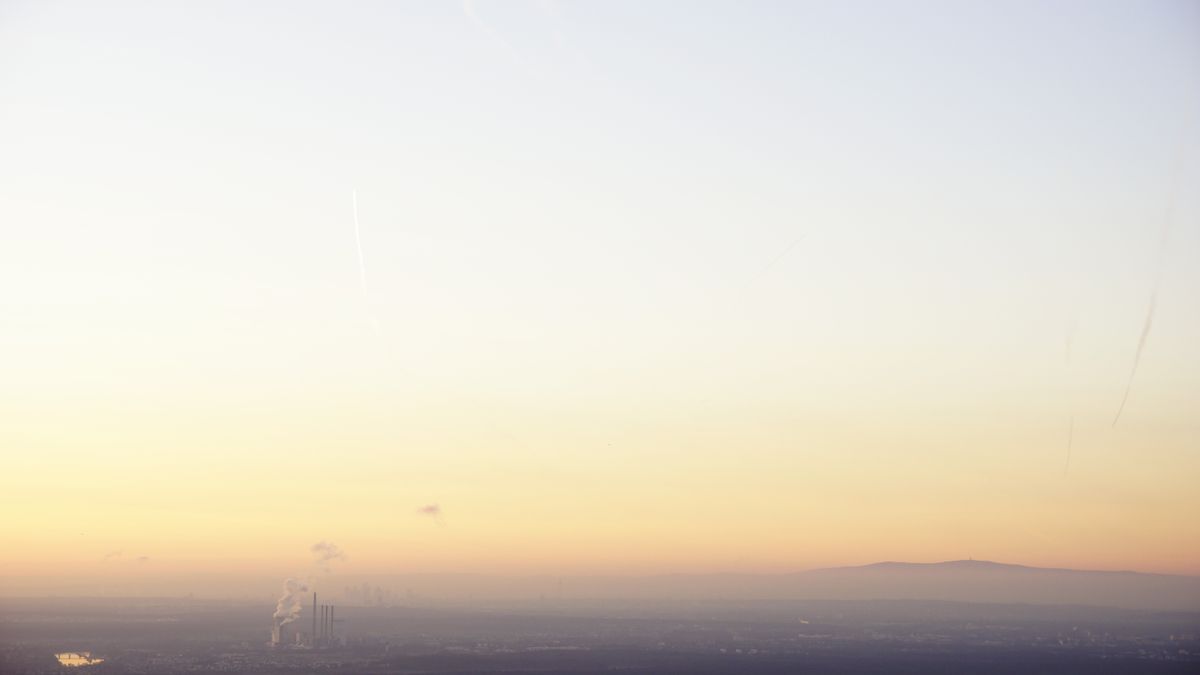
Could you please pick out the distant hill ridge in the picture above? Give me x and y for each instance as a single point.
(972, 581)
(982, 581)
(988, 581)
(972, 564)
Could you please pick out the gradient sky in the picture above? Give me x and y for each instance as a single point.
(588, 330)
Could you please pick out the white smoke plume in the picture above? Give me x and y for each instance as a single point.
(290, 604)
(325, 552)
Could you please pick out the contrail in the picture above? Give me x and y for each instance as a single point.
(1071, 325)
(783, 253)
(766, 268)
(1137, 356)
(1067, 364)
(551, 12)
(1070, 441)
(1168, 218)
(362, 261)
(469, 10)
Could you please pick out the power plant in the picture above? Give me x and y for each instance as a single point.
(285, 631)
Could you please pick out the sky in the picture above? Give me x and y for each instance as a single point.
(597, 287)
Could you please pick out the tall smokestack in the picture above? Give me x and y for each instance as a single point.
(331, 623)
(312, 637)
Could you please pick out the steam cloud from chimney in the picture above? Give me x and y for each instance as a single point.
(324, 552)
(290, 604)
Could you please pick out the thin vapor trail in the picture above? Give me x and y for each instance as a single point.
(1070, 441)
(469, 9)
(766, 268)
(783, 253)
(1070, 341)
(1137, 355)
(1168, 217)
(362, 262)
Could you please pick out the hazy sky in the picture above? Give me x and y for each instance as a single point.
(647, 287)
